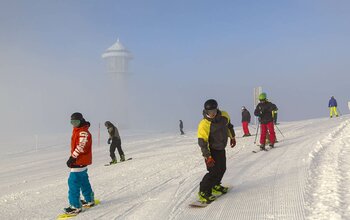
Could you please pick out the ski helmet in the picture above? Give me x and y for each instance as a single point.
(262, 96)
(210, 104)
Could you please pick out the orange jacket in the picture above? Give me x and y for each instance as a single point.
(81, 145)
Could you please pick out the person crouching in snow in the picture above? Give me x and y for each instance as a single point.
(264, 111)
(213, 132)
(80, 158)
(245, 121)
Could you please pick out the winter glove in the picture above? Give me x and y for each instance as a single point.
(209, 161)
(70, 161)
(109, 141)
(233, 142)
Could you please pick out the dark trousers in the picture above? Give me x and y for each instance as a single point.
(182, 131)
(116, 143)
(215, 173)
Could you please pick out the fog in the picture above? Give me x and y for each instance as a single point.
(184, 54)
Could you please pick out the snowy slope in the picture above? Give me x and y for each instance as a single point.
(306, 177)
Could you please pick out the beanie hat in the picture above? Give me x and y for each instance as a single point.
(76, 116)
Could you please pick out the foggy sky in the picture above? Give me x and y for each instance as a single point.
(184, 53)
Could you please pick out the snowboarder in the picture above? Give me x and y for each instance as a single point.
(245, 121)
(181, 127)
(80, 158)
(264, 111)
(213, 132)
(332, 105)
(115, 142)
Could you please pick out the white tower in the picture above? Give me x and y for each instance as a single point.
(117, 58)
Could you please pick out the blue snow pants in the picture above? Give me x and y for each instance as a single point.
(79, 181)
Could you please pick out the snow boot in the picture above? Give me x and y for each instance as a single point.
(272, 145)
(219, 190)
(122, 158)
(114, 161)
(262, 147)
(72, 210)
(87, 204)
(205, 197)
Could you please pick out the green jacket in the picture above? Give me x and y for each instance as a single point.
(213, 133)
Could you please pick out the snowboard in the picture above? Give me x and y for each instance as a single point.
(118, 162)
(67, 216)
(198, 204)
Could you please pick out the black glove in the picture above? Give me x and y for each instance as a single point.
(109, 141)
(70, 161)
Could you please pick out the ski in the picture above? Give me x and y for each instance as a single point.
(257, 151)
(108, 164)
(198, 204)
(67, 216)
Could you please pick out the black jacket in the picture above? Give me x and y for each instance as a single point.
(214, 132)
(264, 111)
(245, 116)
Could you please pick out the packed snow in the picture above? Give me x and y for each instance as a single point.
(307, 176)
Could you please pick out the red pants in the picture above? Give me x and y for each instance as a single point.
(264, 127)
(245, 127)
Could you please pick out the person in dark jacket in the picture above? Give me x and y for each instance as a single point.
(245, 121)
(181, 125)
(213, 132)
(264, 111)
(115, 142)
(332, 105)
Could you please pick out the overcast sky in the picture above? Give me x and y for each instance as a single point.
(184, 53)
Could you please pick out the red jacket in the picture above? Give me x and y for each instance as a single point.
(81, 145)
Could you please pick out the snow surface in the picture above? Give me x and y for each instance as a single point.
(307, 176)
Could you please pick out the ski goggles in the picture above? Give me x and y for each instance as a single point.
(75, 123)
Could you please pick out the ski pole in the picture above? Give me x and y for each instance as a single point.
(257, 130)
(279, 131)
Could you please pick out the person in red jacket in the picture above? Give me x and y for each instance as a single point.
(80, 158)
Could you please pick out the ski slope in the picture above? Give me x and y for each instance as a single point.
(307, 176)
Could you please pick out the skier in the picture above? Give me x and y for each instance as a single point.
(80, 158)
(245, 121)
(332, 105)
(181, 127)
(213, 132)
(115, 142)
(264, 111)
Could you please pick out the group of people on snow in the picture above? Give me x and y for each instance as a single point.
(214, 130)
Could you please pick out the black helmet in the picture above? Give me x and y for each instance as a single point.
(210, 104)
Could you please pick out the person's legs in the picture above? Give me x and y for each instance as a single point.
(74, 186)
(86, 189)
(245, 127)
(263, 134)
(272, 134)
(112, 150)
(118, 143)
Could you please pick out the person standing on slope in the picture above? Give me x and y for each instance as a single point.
(181, 125)
(115, 142)
(264, 111)
(80, 158)
(213, 132)
(332, 105)
(245, 121)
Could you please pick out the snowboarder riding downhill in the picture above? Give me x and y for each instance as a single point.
(264, 111)
(213, 132)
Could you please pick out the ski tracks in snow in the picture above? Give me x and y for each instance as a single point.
(329, 177)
